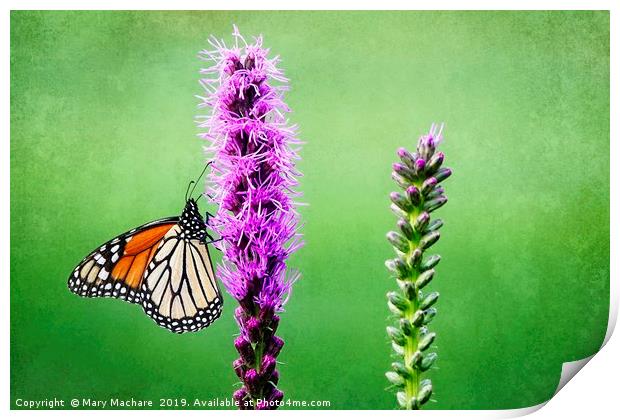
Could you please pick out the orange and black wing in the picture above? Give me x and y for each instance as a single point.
(116, 269)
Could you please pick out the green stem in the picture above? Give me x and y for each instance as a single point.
(258, 350)
(412, 384)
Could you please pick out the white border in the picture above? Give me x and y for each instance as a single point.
(594, 395)
(312, 5)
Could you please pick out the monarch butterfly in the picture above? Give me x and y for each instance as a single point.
(164, 266)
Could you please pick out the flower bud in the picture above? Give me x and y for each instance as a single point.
(429, 314)
(424, 278)
(240, 316)
(424, 394)
(427, 361)
(430, 262)
(402, 182)
(435, 162)
(398, 241)
(428, 185)
(396, 335)
(252, 381)
(273, 325)
(406, 157)
(436, 192)
(413, 360)
(268, 366)
(419, 167)
(404, 171)
(426, 146)
(398, 211)
(406, 228)
(401, 201)
(408, 289)
(429, 239)
(397, 267)
(253, 327)
(394, 309)
(429, 300)
(416, 257)
(426, 341)
(401, 397)
(394, 378)
(398, 301)
(276, 395)
(238, 367)
(418, 318)
(401, 370)
(436, 224)
(240, 394)
(421, 222)
(406, 327)
(435, 203)
(266, 313)
(414, 195)
(398, 349)
(443, 174)
(245, 350)
(274, 346)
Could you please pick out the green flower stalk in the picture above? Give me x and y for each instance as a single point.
(419, 175)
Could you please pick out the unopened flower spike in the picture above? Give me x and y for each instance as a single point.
(253, 178)
(418, 174)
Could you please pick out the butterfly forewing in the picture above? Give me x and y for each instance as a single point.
(116, 268)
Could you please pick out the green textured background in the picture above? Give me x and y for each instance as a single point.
(103, 139)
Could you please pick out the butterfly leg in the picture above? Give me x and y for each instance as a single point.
(207, 216)
(213, 241)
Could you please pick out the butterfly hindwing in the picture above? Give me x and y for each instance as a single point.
(179, 290)
(116, 268)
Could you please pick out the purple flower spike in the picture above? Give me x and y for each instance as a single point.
(253, 178)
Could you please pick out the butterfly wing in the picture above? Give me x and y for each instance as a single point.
(179, 290)
(163, 265)
(116, 269)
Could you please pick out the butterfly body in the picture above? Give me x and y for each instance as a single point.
(164, 266)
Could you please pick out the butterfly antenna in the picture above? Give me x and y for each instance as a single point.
(188, 187)
(199, 176)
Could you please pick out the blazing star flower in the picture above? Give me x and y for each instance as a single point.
(253, 179)
(419, 175)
